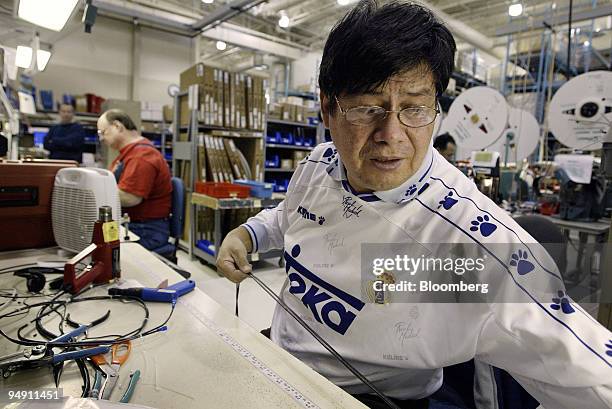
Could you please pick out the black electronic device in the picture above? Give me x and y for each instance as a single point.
(89, 16)
(581, 201)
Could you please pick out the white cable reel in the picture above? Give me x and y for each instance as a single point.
(580, 112)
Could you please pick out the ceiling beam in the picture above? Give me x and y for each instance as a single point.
(224, 13)
(251, 42)
(561, 18)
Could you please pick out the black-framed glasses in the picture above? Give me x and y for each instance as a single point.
(412, 117)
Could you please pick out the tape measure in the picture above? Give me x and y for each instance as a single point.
(246, 354)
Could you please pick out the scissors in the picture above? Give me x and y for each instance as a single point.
(106, 378)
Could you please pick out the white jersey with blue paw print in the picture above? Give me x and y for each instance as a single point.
(527, 325)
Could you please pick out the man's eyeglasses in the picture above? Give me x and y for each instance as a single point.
(412, 117)
(101, 132)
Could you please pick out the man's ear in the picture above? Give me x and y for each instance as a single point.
(325, 114)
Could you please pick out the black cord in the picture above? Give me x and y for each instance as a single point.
(237, 294)
(324, 343)
(85, 375)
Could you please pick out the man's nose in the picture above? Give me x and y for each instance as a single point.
(390, 129)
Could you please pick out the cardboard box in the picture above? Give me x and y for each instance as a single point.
(168, 113)
(298, 156)
(213, 168)
(193, 75)
(224, 161)
(235, 158)
(286, 164)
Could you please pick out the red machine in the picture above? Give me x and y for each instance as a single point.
(100, 259)
(25, 202)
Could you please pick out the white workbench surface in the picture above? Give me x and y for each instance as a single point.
(191, 365)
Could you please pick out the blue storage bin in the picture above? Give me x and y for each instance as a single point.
(258, 189)
(273, 162)
(206, 246)
(313, 120)
(287, 139)
(298, 140)
(46, 99)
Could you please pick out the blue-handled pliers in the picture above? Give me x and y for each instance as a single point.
(40, 355)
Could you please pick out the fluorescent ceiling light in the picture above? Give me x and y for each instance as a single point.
(42, 58)
(221, 45)
(45, 13)
(24, 56)
(283, 21)
(515, 10)
(208, 1)
(343, 2)
(587, 43)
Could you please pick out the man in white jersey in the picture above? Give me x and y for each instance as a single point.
(381, 181)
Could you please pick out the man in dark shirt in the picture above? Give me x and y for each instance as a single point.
(445, 144)
(66, 140)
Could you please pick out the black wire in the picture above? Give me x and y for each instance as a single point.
(103, 339)
(237, 294)
(161, 327)
(85, 375)
(324, 343)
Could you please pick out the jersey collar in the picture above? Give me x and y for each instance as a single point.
(404, 193)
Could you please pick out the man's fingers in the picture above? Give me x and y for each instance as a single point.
(242, 262)
(230, 270)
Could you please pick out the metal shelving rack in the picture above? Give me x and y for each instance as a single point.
(218, 205)
(188, 151)
(284, 147)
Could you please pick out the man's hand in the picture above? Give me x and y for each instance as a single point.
(232, 260)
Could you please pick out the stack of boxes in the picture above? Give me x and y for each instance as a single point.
(151, 111)
(229, 100)
(295, 109)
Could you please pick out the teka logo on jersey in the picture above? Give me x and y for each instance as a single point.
(310, 216)
(321, 297)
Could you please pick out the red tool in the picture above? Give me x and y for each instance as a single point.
(103, 252)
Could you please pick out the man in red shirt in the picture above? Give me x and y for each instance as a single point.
(143, 178)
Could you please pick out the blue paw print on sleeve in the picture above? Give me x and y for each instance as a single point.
(483, 224)
(609, 347)
(411, 190)
(561, 302)
(519, 260)
(448, 201)
(329, 154)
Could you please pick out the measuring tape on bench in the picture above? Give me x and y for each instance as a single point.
(246, 354)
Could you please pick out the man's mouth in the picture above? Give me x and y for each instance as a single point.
(386, 163)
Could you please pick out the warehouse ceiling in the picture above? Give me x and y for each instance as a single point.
(311, 20)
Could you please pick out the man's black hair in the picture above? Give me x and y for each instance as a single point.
(443, 140)
(373, 43)
(122, 117)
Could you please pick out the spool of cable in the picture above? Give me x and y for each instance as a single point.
(519, 139)
(580, 112)
(476, 119)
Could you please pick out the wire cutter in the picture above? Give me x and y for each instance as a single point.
(40, 355)
(108, 374)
